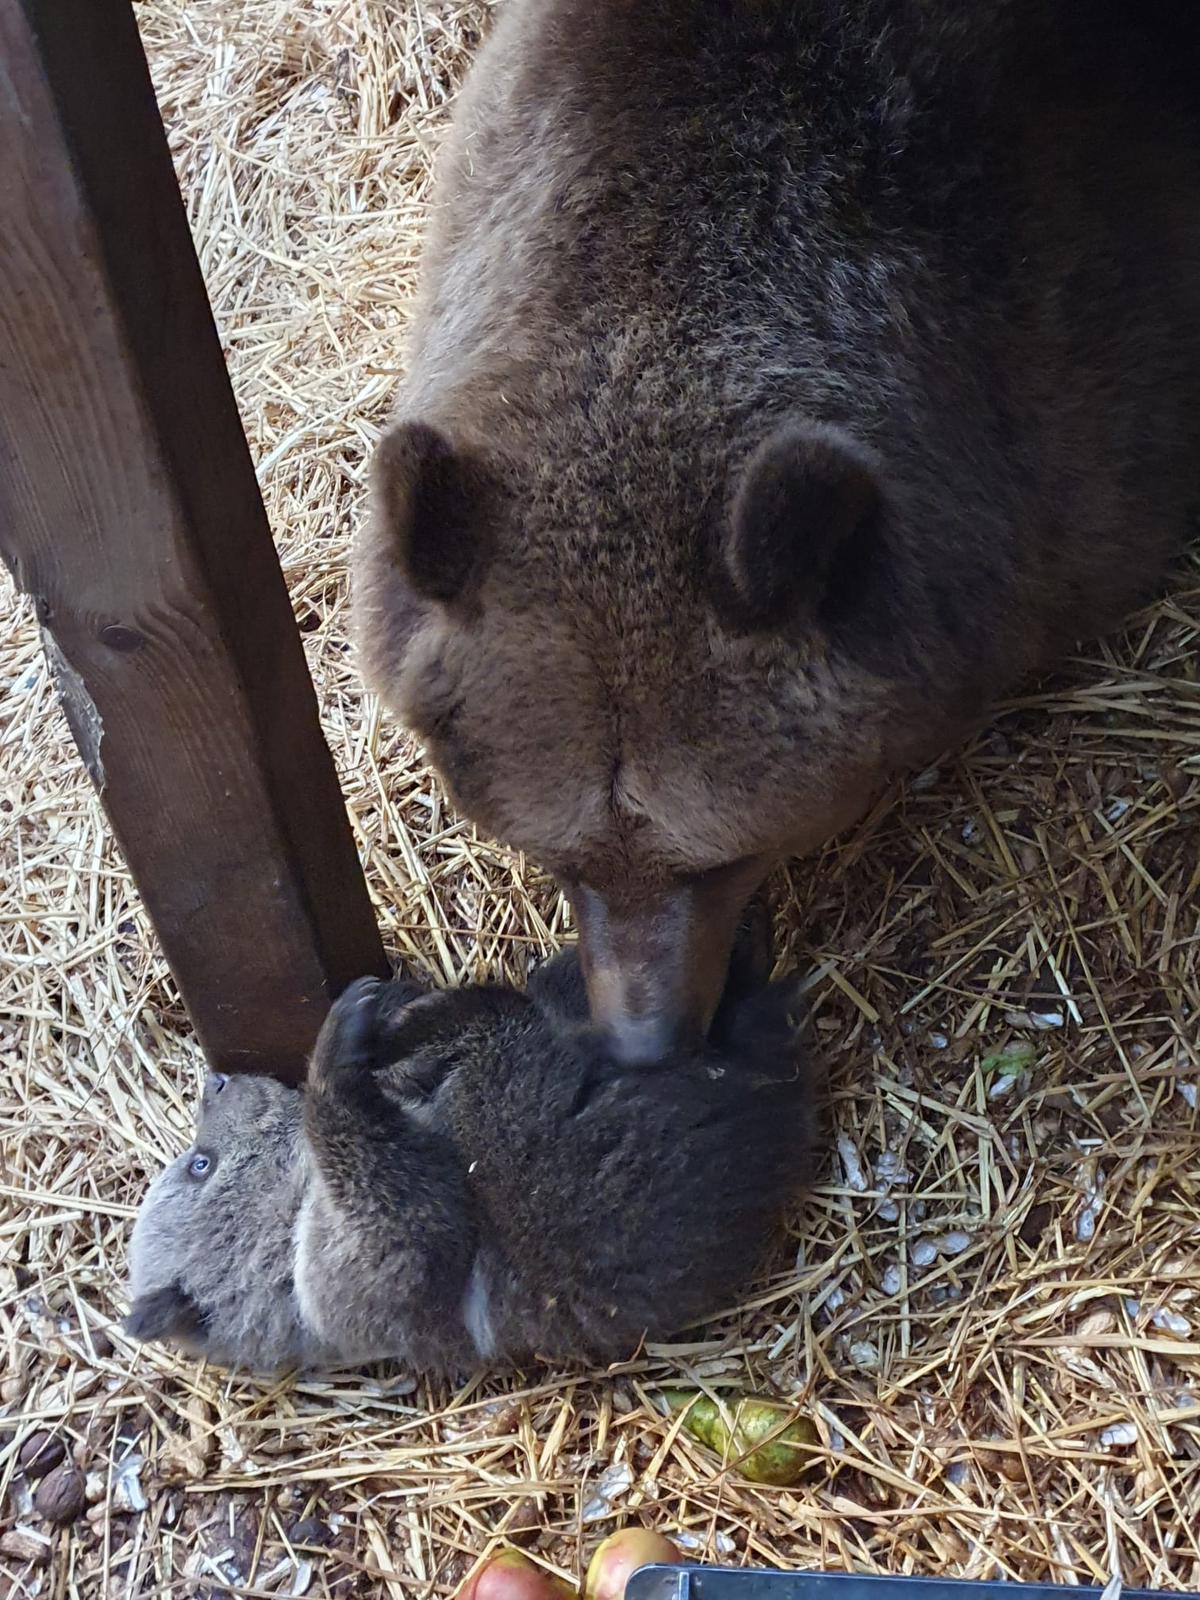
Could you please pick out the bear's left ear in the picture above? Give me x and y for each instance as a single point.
(168, 1313)
(804, 516)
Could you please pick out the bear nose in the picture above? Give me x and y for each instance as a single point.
(643, 1041)
(655, 969)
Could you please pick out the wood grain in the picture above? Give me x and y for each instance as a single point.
(129, 510)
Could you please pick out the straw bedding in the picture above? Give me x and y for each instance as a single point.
(991, 1302)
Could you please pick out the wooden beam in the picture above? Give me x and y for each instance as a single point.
(129, 511)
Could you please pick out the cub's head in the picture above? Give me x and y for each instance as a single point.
(657, 692)
(210, 1256)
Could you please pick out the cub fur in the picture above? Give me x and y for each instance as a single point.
(465, 1178)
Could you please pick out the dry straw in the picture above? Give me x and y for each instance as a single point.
(991, 1303)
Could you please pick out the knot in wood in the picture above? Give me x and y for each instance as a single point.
(118, 637)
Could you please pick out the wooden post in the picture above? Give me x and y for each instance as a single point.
(129, 511)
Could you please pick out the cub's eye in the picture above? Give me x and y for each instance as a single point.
(200, 1165)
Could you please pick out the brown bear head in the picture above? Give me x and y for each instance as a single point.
(656, 723)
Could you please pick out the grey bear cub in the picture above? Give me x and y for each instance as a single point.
(465, 1178)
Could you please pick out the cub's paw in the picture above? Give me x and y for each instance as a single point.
(348, 1043)
(770, 1026)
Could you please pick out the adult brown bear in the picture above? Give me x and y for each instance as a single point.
(789, 377)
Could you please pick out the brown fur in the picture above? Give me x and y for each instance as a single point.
(787, 380)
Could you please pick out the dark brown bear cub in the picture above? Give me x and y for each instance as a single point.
(466, 1179)
(788, 378)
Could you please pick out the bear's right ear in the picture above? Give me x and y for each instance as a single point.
(806, 510)
(430, 499)
(168, 1313)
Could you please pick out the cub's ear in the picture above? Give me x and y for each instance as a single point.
(558, 987)
(168, 1313)
(431, 504)
(804, 517)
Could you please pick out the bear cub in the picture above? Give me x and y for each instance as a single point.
(466, 1177)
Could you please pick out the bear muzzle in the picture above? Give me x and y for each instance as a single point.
(655, 968)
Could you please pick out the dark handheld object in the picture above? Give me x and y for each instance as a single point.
(669, 1582)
